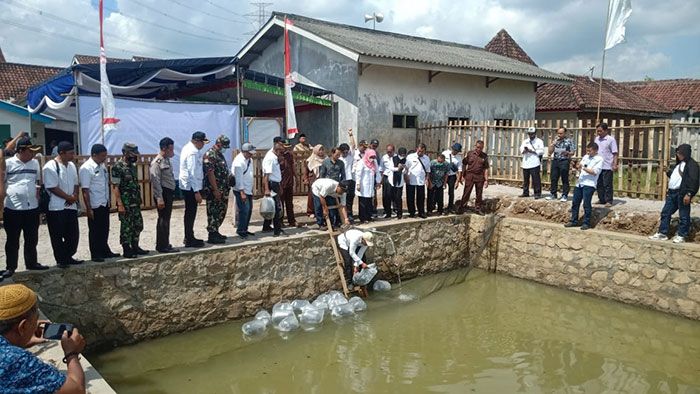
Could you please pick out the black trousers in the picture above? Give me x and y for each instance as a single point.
(397, 200)
(190, 214)
(536, 182)
(415, 197)
(98, 232)
(559, 169)
(349, 197)
(451, 182)
(436, 196)
(64, 233)
(18, 222)
(605, 186)
(365, 208)
(386, 196)
(348, 263)
(163, 223)
(277, 221)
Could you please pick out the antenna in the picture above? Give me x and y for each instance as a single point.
(376, 17)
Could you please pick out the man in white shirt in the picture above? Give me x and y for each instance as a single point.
(347, 156)
(590, 166)
(387, 168)
(20, 192)
(453, 156)
(272, 176)
(532, 150)
(95, 185)
(323, 190)
(353, 244)
(242, 170)
(191, 181)
(61, 181)
(418, 168)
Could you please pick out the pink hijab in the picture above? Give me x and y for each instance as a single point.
(370, 163)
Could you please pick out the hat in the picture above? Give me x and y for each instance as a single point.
(224, 141)
(15, 300)
(200, 136)
(368, 238)
(129, 147)
(362, 142)
(247, 147)
(26, 143)
(457, 147)
(374, 142)
(531, 130)
(65, 146)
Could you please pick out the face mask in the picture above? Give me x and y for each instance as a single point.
(132, 159)
(224, 151)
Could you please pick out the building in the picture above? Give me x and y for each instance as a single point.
(15, 118)
(385, 84)
(682, 96)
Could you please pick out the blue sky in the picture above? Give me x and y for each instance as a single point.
(561, 36)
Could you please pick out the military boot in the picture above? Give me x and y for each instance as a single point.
(214, 239)
(129, 252)
(137, 249)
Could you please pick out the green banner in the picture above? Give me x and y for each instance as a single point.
(280, 92)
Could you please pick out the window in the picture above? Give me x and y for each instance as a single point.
(405, 122)
(503, 122)
(5, 132)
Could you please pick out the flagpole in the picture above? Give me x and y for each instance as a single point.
(102, 109)
(602, 66)
(286, 109)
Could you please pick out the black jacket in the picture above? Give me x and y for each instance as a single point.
(690, 180)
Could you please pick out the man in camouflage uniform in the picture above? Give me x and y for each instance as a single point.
(125, 184)
(216, 181)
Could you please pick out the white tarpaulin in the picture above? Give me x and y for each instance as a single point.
(145, 123)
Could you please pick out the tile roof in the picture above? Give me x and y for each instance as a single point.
(583, 96)
(676, 94)
(380, 44)
(16, 78)
(503, 44)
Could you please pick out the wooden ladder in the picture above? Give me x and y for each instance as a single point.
(339, 263)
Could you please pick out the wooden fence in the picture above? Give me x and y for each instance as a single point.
(300, 189)
(645, 149)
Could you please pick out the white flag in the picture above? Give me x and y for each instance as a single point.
(618, 13)
(109, 118)
(288, 85)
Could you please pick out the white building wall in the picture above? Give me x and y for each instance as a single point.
(384, 91)
(19, 123)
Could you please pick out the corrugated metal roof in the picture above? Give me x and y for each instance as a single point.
(380, 44)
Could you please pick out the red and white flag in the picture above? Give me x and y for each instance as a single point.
(288, 85)
(109, 119)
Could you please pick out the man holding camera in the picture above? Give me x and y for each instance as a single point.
(590, 167)
(532, 150)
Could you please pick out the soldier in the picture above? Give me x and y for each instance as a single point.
(126, 187)
(216, 182)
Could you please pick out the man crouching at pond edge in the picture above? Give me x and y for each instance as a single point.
(20, 370)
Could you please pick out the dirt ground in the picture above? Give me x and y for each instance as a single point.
(493, 192)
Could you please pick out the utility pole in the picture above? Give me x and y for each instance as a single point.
(259, 17)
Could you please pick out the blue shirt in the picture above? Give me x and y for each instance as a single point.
(22, 372)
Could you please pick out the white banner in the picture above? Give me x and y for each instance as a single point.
(618, 13)
(145, 123)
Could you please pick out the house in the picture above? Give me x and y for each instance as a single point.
(385, 84)
(682, 96)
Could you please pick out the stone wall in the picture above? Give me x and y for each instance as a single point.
(623, 267)
(130, 300)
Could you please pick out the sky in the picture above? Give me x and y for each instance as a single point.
(662, 37)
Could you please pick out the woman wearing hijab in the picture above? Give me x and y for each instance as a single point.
(311, 173)
(367, 176)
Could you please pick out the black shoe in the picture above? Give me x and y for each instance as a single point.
(213, 239)
(220, 236)
(538, 196)
(7, 273)
(250, 234)
(139, 251)
(267, 229)
(387, 216)
(36, 267)
(411, 215)
(111, 254)
(194, 243)
(524, 195)
(73, 261)
(97, 259)
(278, 233)
(422, 216)
(168, 249)
(62, 265)
(399, 217)
(242, 235)
(571, 224)
(129, 252)
(585, 227)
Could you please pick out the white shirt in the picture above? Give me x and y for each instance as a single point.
(674, 183)
(66, 180)
(366, 180)
(387, 165)
(349, 160)
(530, 159)
(325, 187)
(271, 166)
(417, 172)
(94, 177)
(453, 159)
(242, 169)
(596, 164)
(351, 240)
(21, 184)
(191, 168)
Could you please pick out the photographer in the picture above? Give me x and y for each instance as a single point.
(20, 370)
(532, 150)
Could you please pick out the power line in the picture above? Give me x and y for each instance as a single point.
(224, 8)
(260, 15)
(207, 13)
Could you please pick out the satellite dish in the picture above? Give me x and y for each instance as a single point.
(378, 17)
(368, 17)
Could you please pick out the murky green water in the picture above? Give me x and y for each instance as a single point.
(489, 334)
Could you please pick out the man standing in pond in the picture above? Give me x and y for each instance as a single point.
(191, 183)
(454, 158)
(216, 182)
(125, 183)
(607, 149)
(560, 150)
(163, 185)
(532, 150)
(476, 175)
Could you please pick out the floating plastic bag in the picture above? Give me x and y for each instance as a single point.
(267, 208)
(264, 316)
(342, 310)
(381, 285)
(363, 277)
(358, 304)
(280, 311)
(324, 298)
(310, 318)
(337, 299)
(319, 305)
(289, 323)
(300, 305)
(254, 328)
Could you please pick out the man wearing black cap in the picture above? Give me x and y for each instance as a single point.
(217, 185)
(61, 180)
(125, 183)
(95, 184)
(191, 183)
(20, 192)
